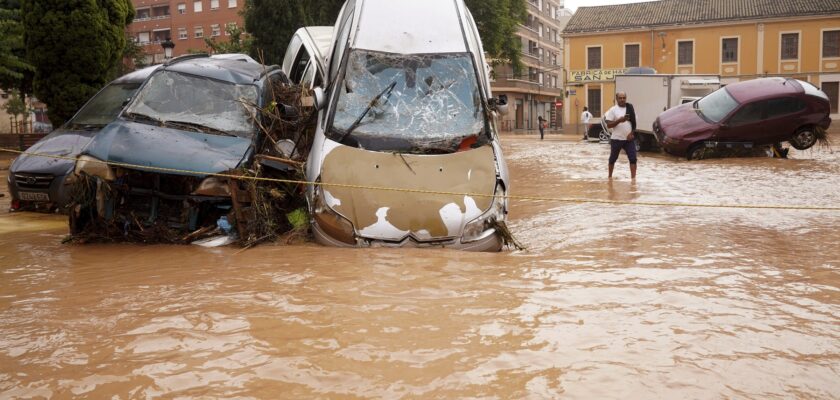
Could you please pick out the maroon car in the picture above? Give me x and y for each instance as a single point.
(745, 114)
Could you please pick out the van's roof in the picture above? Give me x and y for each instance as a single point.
(322, 36)
(220, 69)
(136, 76)
(411, 26)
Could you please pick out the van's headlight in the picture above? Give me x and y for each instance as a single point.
(484, 225)
(94, 167)
(331, 222)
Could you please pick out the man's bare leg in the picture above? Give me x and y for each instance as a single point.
(611, 170)
(632, 171)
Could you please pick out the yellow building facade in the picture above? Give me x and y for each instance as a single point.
(806, 47)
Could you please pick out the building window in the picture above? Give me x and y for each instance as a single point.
(199, 32)
(593, 58)
(631, 55)
(832, 90)
(790, 46)
(197, 6)
(831, 44)
(215, 30)
(231, 3)
(729, 50)
(182, 8)
(685, 53)
(143, 37)
(182, 33)
(214, 4)
(593, 101)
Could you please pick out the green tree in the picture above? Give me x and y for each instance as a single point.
(497, 22)
(272, 23)
(76, 48)
(15, 72)
(133, 56)
(238, 42)
(16, 106)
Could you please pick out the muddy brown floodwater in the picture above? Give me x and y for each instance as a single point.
(609, 301)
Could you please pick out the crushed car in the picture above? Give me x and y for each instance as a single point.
(406, 151)
(40, 182)
(175, 166)
(758, 112)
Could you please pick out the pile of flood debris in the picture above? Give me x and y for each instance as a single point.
(261, 201)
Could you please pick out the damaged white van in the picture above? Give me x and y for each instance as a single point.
(406, 148)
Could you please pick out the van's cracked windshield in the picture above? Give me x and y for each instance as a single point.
(409, 103)
(192, 102)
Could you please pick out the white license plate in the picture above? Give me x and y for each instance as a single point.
(34, 196)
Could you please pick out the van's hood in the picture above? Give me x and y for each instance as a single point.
(64, 143)
(682, 121)
(394, 215)
(154, 146)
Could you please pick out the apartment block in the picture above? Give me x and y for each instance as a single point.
(736, 39)
(536, 89)
(185, 22)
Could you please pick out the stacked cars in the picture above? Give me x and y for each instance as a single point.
(407, 108)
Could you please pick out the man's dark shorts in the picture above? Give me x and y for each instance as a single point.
(629, 147)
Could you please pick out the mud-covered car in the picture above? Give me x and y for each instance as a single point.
(194, 117)
(746, 114)
(40, 182)
(409, 108)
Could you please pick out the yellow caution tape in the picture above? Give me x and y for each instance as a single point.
(443, 193)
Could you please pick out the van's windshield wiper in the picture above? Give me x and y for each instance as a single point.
(198, 127)
(372, 103)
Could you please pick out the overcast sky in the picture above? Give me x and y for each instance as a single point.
(574, 4)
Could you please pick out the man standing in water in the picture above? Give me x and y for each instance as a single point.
(621, 119)
(541, 123)
(586, 117)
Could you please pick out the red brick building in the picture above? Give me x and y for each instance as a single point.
(186, 22)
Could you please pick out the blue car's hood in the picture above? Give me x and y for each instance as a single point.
(62, 142)
(154, 146)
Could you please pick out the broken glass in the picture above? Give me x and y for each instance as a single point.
(411, 103)
(198, 102)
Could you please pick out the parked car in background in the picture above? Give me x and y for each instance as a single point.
(40, 182)
(408, 106)
(194, 116)
(757, 112)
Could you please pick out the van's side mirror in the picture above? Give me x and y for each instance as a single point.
(499, 104)
(320, 98)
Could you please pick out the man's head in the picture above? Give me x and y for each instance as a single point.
(585, 108)
(621, 98)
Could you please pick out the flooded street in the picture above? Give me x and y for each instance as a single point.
(608, 301)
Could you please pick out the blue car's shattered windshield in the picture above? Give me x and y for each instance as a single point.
(195, 101)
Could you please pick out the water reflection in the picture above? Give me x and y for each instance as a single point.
(609, 301)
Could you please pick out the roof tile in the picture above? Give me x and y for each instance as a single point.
(690, 12)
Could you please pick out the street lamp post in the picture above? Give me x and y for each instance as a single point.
(168, 46)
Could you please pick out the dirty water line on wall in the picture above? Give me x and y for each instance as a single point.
(442, 193)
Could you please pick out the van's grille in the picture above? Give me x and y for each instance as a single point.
(33, 181)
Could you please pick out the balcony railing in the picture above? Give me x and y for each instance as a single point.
(150, 18)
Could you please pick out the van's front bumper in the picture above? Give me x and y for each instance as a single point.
(491, 243)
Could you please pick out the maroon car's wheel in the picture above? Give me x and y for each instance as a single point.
(697, 151)
(804, 139)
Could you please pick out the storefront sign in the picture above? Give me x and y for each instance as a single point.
(595, 75)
